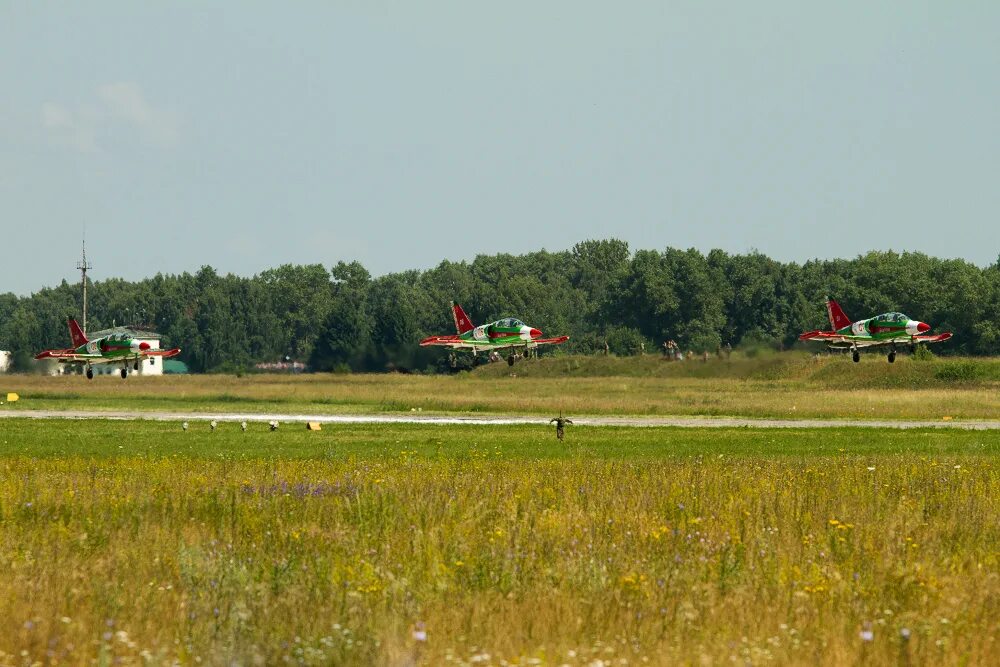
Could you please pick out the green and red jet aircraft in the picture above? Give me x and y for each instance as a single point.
(507, 333)
(885, 329)
(115, 348)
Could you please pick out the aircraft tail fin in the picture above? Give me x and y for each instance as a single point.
(462, 322)
(838, 320)
(76, 333)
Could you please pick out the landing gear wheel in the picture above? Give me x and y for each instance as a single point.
(892, 357)
(90, 373)
(856, 356)
(124, 373)
(510, 360)
(152, 361)
(135, 366)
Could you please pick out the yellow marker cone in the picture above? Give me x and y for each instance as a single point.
(11, 397)
(314, 426)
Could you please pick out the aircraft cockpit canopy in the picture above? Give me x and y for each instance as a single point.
(510, 323)
(892, 317)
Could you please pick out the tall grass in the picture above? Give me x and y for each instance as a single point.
(768, 385)
(142, 543)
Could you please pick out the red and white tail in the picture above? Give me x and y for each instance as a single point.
(462, 322)
(76, 333)
(838, 320)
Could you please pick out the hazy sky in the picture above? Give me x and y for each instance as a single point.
(247, 135)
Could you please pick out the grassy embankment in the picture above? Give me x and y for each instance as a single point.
(142, 542)
(785, 385)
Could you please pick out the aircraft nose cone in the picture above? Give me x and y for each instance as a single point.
(143, 346)
(535, 333)
(923, 327)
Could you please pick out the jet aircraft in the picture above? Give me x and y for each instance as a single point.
(114, 348)
(508, 333)
(885, 329)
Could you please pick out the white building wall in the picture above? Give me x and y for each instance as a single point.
(5, 360)
(153, 365)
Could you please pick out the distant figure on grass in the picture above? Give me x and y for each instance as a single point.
(560, 422)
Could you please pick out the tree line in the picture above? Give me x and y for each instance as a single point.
(599, 293)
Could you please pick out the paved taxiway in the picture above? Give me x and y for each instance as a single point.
(486, 420)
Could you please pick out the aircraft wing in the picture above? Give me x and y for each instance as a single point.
(840, 341)
(937, 338)
(454, 342)
(530, 344)
(161, 353)
(831, 337)
(68, 356)
(71, 356)
(834, 339)
(546, 341)
(458, 343)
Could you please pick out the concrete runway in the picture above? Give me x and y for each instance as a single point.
(485, 420)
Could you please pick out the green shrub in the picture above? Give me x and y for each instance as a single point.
(960, 371)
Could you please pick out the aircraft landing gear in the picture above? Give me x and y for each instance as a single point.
(124, 373)
(856, 356)
(135, 366)
(892, 356)
(510, 359)
(90, 373)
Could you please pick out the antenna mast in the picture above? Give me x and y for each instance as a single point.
(83, 265)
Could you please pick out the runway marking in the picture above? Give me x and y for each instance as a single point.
(497, 420)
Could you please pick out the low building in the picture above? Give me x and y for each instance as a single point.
(6, 358)
(281, 366)
(174, 367)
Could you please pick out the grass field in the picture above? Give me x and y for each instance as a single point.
(789, 385)
(137, 542)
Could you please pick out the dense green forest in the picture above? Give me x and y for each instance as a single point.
(598, 291)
